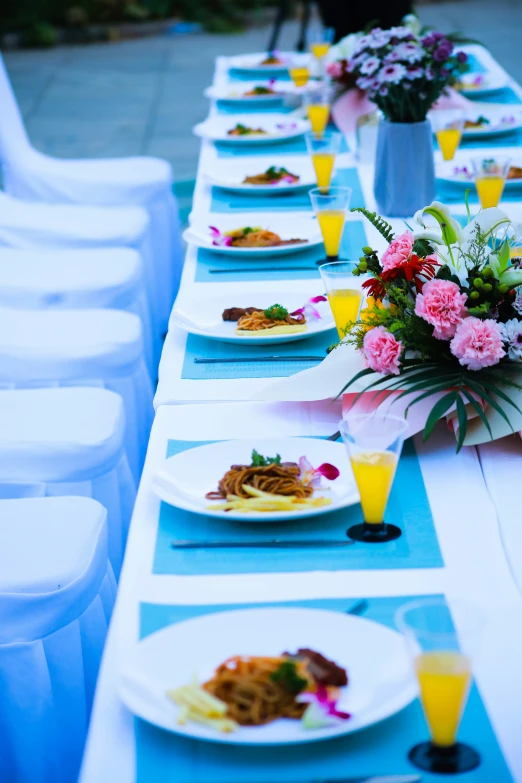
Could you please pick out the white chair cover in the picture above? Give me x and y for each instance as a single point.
(57, 592)
(142, 181)
(68, 441)
(77, 279)
(81, 348)
(33, 226)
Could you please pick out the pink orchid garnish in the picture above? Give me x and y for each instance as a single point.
(322, 698)
(312, 476)
(308, 310)
(271, 83)
(218, 238)
(286, 125)
(478, 79)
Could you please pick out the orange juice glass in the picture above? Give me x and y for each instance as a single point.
(343, 292)
(448, 126)
(323, 151)
(317, 101)
(441, 638)
(374, 444)
(490, 177)
(321, 38)
(300, 75)
(330, 209)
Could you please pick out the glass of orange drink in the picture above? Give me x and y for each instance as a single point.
(343, 292)
(300, 75)
(330, 209)
(323, 151)
(441, 637)
(374, 444)
(320, 40)
(448, 125)
(317, 100)
(490, 177)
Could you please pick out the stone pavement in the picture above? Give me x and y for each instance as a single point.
(144, 96)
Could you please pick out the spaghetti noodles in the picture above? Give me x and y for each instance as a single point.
(256, 321)
(254, 693)
(278, 479)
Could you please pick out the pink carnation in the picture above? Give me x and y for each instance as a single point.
(335, 70)
(443, 306)
(477, 343)
(398, 251)
(382, 351)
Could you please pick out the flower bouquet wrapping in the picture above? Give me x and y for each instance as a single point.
(442, 323)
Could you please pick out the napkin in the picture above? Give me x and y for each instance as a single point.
(349, 107)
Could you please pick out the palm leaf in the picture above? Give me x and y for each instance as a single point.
(462, 416)
(438, 410)
(482, 393)
(470, 398)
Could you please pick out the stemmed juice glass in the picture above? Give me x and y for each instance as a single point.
(323, 151)
(300, 75)
(490, 177)
(441, 639)
(330, 209)
(343, 295)
(317, 100)
(448, 125)
(321, 38)
(374, 444)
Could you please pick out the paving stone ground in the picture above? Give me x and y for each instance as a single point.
(144, 96)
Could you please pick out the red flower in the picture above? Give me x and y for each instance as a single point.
(415, 269)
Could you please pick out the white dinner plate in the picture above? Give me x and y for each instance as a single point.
(278, 127)
(204, 317)
(230, 175)
(251, 63)
(298, 227)
(503, 119)
(460, 174)
(234, 92)
(184, 479)
(481, 84)
(380, 677)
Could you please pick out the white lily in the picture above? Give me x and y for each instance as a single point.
(449, 234)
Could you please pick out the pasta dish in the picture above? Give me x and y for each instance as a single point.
(272, 176)
(275, 319)
(245, 130)
(258, 237)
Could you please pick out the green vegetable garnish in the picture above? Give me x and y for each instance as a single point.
(287, 676)
(483, 120)
(258, 461)
(274, 171)
(276, 312)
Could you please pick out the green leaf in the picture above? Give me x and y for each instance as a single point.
(463, 422)
(382, 226)
(258, 461)
(480, 390)
(493, 387)
(470, 398)
(438, 410)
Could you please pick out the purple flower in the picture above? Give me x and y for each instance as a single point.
(383, 91)
(429, 74)
(432, 39)
(392, 73)
(512, 335)
(410, 52)
(308, 310)
(517, 304)
(219, 239)
(312, 476)
(443, 51)
(322, 699)
(414, 72)
(366, 83)
(370, 65)
(444, 72)
(400, 32)
(462, 57)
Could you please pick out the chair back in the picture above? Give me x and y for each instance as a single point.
(14, 141)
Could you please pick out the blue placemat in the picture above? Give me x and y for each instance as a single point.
(455, 193)
(266, 107)
(408, 507)
(227, 201)
(474, 64)
(236, 75)
(295, 146)
(505, 95)
(379, 750)
(202, 347)
(298, 266)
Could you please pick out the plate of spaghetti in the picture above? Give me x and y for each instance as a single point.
(268, 676)
(276, 479)
(247, 235)
(252, 128)
(266, 177)
(256, 321)
(264, 63)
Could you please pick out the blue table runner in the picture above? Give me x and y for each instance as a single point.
(408, 507)
(228, 201)
(379, 750)
(298, 266)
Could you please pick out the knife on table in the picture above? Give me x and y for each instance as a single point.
(264, 269)
(243, 359)
(263, 544)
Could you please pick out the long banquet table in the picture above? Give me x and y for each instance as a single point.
(473, 549)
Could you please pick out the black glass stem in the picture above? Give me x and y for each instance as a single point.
(444, 761)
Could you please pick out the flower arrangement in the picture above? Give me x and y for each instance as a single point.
(338, 58)
(443, 316)
(403, 72)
